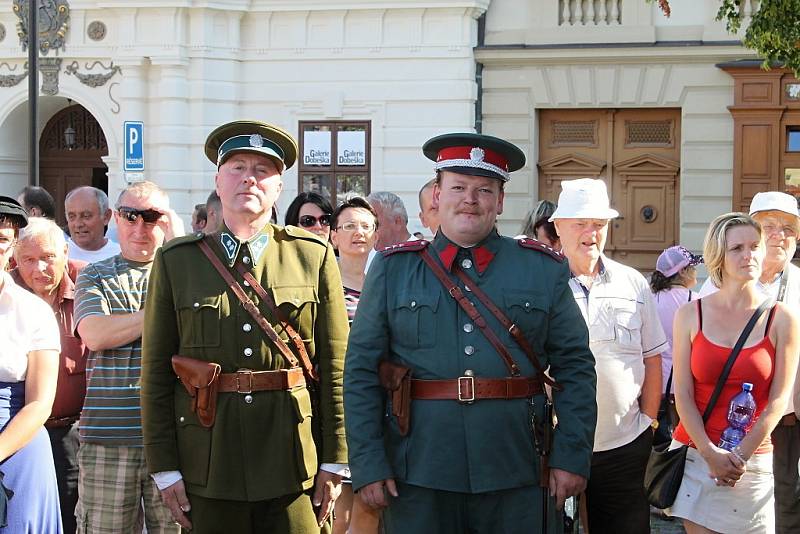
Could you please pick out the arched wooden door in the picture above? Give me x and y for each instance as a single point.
(63, 168)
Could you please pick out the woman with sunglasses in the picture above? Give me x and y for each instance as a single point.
(353, 236)
(310, 211)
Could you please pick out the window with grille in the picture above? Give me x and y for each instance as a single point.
(574, 133)
(335, 159)
(648, 133)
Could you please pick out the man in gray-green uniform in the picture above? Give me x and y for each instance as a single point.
(228, 427)
(469, 460)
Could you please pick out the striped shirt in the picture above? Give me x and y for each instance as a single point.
(111, 412)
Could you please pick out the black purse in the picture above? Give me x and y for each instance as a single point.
(664, 473)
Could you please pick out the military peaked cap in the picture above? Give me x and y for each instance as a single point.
(255, 137)
(475, 155)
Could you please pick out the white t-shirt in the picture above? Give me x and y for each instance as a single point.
(111, 248)
(624, 329)
(791, 298)
(26, 324)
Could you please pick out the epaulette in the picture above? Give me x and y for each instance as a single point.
(407, 246)
(178, 241)
(299, 233)
(537, 245)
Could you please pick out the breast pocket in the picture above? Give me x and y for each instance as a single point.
(413, 319)
(618, 321)
(298, 305)
(200, 321)
(527, 310)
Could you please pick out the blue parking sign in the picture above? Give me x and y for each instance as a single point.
(134, 146)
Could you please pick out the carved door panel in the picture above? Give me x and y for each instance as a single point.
(637, 153)
(60, 181)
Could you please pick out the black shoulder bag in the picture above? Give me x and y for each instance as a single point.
(664, 473)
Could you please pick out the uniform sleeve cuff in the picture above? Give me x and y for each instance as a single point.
(165, 479)
(343, 470)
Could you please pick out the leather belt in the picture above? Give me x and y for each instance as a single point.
(467, 389)
(789, 419)
(247, 381)
(61, 422)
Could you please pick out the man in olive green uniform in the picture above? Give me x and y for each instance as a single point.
(468, 462)
(253, 469)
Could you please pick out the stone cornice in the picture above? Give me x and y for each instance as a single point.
(612, 54)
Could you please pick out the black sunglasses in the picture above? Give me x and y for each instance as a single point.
(307, 221)
(148, 216)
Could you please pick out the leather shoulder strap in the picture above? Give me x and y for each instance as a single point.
(295, 338)
(247, 303)
(512, 328)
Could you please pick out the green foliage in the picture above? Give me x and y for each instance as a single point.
(774, 31)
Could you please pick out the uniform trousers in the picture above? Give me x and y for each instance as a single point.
(289, 514)
(785, 457)
(429, 511)
(615, 498)
(64, 441)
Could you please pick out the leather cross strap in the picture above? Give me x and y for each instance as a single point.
(468, 389)
(471, 311)
(478, 319)
(512, 328)
(247, 381)
(295, 338)
(248, 304)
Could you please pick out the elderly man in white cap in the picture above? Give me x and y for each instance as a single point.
(780, 280)
(626, 338)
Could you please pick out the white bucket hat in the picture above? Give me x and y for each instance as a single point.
(584, 198)
(774, 201)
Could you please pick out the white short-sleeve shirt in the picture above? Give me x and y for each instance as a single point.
(27, 324)
(624, 329)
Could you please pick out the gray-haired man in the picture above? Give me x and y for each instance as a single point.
(87, 212)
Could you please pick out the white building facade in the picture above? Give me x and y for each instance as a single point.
(402, 70)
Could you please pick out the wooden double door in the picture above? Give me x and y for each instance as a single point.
(637, 153)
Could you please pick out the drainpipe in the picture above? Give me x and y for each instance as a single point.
(479, 76)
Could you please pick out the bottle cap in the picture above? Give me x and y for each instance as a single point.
(747, 386)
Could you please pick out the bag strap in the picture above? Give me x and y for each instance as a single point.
(247, 303)
(295, 338)
(454, 291)
(732, 358)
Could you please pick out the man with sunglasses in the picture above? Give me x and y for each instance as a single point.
(233, 445)
(109, 314)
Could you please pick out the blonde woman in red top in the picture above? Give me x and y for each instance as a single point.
(724, 491)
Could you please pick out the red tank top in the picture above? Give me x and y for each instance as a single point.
(754, 364)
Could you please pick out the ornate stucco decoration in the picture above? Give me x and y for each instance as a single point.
(96, 31)
(10, 80)
(93, 80)
(53, 22)
(49, 67)
(2, 32)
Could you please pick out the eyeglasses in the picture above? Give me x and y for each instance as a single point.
(307, 221)
(772, 228)
(350, 226)
(148, 216)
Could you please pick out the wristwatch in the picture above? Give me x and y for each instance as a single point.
(654, 424)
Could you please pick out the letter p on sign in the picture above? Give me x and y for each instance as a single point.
(134, 146)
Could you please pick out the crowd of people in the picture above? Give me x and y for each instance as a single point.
(338, 373)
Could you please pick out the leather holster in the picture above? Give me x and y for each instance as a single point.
(396, 380)
(200, 378)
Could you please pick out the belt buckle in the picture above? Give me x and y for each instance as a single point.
(249, 375)
(468, 382)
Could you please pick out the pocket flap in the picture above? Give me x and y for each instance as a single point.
(526, 301)
(294, 295)
(415, 301)
(199, 303)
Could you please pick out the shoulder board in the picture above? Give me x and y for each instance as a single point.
(533, 244)
(407, 246)
(299, 233)
(178, 241)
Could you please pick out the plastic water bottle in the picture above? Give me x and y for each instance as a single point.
(740, 415)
